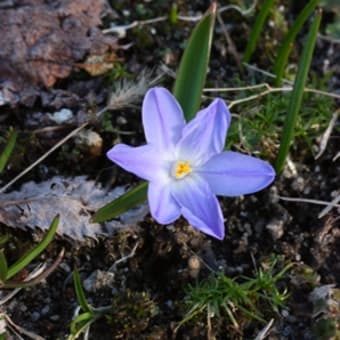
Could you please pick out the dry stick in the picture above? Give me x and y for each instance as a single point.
(36, 272)
(123, 28)
(336, 157)
(329, 39)
(124, 258)
(231, 46)
(45, 155)
(266, 92)
(265, 331)
(327, 134)
(330, 205)
(21, 330)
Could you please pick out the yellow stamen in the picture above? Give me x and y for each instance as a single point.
(182, 169)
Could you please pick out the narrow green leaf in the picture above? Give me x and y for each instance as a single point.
(81, 298)
(257, 29)
(35, 251)
(193, 68)
(79, 325)
(297, 93)
(3, 266)
(4, 239)
(173, 16)
(5, 155)
(123, 203)
(287, 44)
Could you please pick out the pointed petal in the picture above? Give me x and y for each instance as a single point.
(143, 161)
(204, 136)
(199, 205)
(163, 118)
(233, 174)
(164, 209)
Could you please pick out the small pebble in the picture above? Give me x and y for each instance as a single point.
(35, 316)
(45, 310)
(275, 227)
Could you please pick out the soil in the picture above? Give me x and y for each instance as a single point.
(147, 290)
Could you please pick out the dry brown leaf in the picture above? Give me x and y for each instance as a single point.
(75, 199)
(97, 65)
(40, 41)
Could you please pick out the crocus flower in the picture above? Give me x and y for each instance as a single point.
(185, 163)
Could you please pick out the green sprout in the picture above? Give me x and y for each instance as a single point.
(239, 300)
(129, 313)
(8, 272)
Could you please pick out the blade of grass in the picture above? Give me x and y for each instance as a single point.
(81, 298)
(287, 44)
(297, 93)
(193, 68)
(79, 324)
(3, 266)
(123, 203)
(35, 251)
(5, 155)
(257, 29)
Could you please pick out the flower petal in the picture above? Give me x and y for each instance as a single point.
(233, 174)
(205, 135)
(199, 205)
(163, 118)
(141, 161)
(164, 209)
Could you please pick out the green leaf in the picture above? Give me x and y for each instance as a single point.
(3, 266)
(80, 324)
(121, 204)
(5, 155)
(193, 68)
(257, 29)
(35, 251)
(287, 44)
(81, 298)
(297, 93)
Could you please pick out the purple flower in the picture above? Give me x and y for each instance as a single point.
(185, 163)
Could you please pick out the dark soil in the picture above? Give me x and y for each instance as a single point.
(148, 290)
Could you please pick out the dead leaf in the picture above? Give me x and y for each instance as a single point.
(97, 65)
(75, 199)
(41, 41)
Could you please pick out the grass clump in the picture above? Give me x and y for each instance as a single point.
(257, 129)
(236, 302)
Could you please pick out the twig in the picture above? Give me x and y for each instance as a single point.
(44, 156)
(329, 39)
(327, 134)
(336, 157)
(21, 330)
(121, 30)
(124, 258)
(266, 73)
(36, 272)
(235, 89)
(37, 278)
(331, 205)
(264, 332)
(268, 90)
(231, 46)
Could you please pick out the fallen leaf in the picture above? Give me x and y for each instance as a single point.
(97, 65)
(41, 41)
(75, 199)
